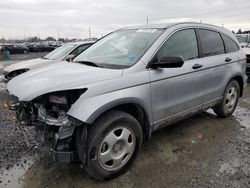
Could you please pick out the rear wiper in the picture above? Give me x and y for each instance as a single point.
(88, 63)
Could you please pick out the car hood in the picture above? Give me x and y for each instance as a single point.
(57, 77)
(29, 64)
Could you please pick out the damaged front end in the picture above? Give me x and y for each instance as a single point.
(48, 113)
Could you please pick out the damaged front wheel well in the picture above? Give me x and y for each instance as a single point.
(138, 113)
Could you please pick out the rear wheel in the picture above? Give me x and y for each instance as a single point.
(230, 100)
(112, 145)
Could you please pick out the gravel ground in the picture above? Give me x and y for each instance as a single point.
(203, 151)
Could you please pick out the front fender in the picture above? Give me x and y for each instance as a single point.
(88, 109)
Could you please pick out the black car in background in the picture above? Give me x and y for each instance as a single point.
(43, 48)
(14, 49)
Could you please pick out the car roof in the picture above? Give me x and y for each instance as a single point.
(192, 24)
(168, 25)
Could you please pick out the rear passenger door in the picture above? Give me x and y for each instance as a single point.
(216, 60)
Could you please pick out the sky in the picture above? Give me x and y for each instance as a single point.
(77, 18)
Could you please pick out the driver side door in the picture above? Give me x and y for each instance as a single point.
(177, 92)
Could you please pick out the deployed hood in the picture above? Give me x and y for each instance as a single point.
(29, 64)
(57, 77)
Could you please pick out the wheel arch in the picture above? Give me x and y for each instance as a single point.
(130, 106)
(240, 81)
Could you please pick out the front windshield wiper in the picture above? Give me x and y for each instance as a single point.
(44, 57)
(89, 63)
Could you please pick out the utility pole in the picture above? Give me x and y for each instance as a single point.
(58, 34)
(89, 32)
(147, 20)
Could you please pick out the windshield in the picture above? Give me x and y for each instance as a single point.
(242, 38)
(120, 49)
(59, 53)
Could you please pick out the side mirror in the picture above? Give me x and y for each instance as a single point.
(69, 57)
(169, 62)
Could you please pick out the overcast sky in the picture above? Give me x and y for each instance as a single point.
(72, 18)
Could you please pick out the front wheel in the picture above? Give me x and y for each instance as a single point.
(229, 101)
(112, 145)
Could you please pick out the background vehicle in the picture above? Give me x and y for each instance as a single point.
(65, 52)
(244, 39)
(14, 49)
(134, 81)
(247, 51)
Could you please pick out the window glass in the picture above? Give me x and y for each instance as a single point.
(59, 53)
(182, 43)
(79, 49)
(230, 45)
(120, 49)
(211, 43)
(242, 38)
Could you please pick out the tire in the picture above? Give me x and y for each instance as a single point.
(229, 101)
(113, 142)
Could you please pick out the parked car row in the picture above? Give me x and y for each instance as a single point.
(46, 46)
(14, 49)
(24, 48)
(100, 107)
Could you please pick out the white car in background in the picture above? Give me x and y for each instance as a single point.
(244, 39)
(247, 51)
(65, 52)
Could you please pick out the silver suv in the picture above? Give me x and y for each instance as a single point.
(100, 108)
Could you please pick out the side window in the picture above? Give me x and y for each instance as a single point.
(79, 49)
(230, 45)
(182, 43)
(211, 43)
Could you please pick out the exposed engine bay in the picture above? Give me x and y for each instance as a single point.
(48, 113)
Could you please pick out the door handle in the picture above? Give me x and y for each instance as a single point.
(197, 66)
(228, 59)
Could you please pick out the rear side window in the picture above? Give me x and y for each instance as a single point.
(182, 43)
(230, 45)
(211, 43)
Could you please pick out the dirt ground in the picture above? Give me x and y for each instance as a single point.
(203, 151)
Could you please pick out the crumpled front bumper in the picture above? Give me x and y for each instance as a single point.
(62, 146)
